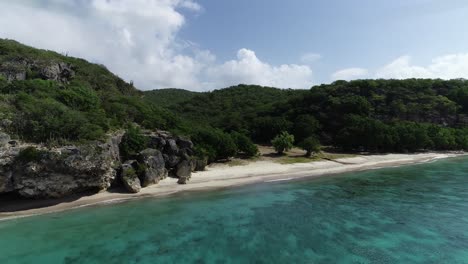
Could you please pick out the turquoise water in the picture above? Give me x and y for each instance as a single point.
(414, 214)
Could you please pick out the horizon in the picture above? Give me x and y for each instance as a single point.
(202, 45)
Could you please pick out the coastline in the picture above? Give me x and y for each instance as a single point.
(220, 176)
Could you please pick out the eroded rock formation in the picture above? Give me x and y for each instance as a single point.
(35, 171)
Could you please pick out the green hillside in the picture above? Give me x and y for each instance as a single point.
(49, 97)
(169, 97)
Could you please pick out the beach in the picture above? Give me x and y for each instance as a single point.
(219, 176)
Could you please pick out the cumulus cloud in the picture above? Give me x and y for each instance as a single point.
(450, 66)
(137, 39)
(250, 69)
(445, 67)
(350, 74)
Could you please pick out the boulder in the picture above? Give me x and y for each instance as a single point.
(6, 182)
(183, 171)
(4, 139)
(171, 147)
(156, 142)
(184, 143)
(60, 72)
(153, 165)
(65, 171)
(129, 176)
(171, 160)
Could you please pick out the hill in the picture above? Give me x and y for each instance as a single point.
(168, 97)
(243, 108)
(49, 97)
(370, 115)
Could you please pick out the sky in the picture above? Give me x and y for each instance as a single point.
(203, 45)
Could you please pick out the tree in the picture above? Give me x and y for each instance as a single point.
(132, 142)
(283, 142)
(304, 126)
(244, 144)
(310, 145)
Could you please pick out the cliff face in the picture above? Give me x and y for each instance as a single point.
(34, 171)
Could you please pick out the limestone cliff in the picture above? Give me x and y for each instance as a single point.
(36, 171)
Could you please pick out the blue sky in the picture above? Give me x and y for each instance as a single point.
(209, 44)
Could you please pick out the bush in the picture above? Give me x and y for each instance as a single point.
(244, 144)
(283, 142)
(213, 144)
(311, 145)
(132, 142)
(30, 154)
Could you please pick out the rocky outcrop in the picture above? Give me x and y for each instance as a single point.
(18, 70)
(153, 167)
(184, 171)
(37, 172)
(60, 72)
(167, 155)
(129, 176)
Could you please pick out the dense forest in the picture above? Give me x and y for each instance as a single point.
(364, 115)
(50, 98)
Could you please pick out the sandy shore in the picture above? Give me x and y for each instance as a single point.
(222, 176)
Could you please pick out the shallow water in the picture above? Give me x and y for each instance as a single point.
(412, 214)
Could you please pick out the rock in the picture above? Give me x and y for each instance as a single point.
(60, 72)
(65, 171)
(171, 161)
(183, 171)
(193, 164)
(182, 180)
(156, 142)
(4, 139)
(13, 75)
(171, 147)
(154, 166)
(184, 143)
(129, 177)
(5, 123)
(6, 183)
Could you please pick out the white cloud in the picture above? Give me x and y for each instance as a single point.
(137, 39)
(350, 74)
(309, 58)
(249, 69)
(444, 67)
(450, 66)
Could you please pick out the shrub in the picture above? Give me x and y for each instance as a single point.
(283, 142)
(213, 144)
(244, 144)
(132, 142)
(310, 145)
(30, 154)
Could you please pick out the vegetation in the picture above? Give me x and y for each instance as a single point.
(30, 154)
(283, 142)
(132, 142)
(169, 97)
(363, 115)
(310, 145)
(84, 107)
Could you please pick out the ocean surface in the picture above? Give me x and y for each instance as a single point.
(411, 214)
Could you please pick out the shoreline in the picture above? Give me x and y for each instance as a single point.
(219, 176)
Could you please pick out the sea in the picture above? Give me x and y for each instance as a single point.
(408, 214)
